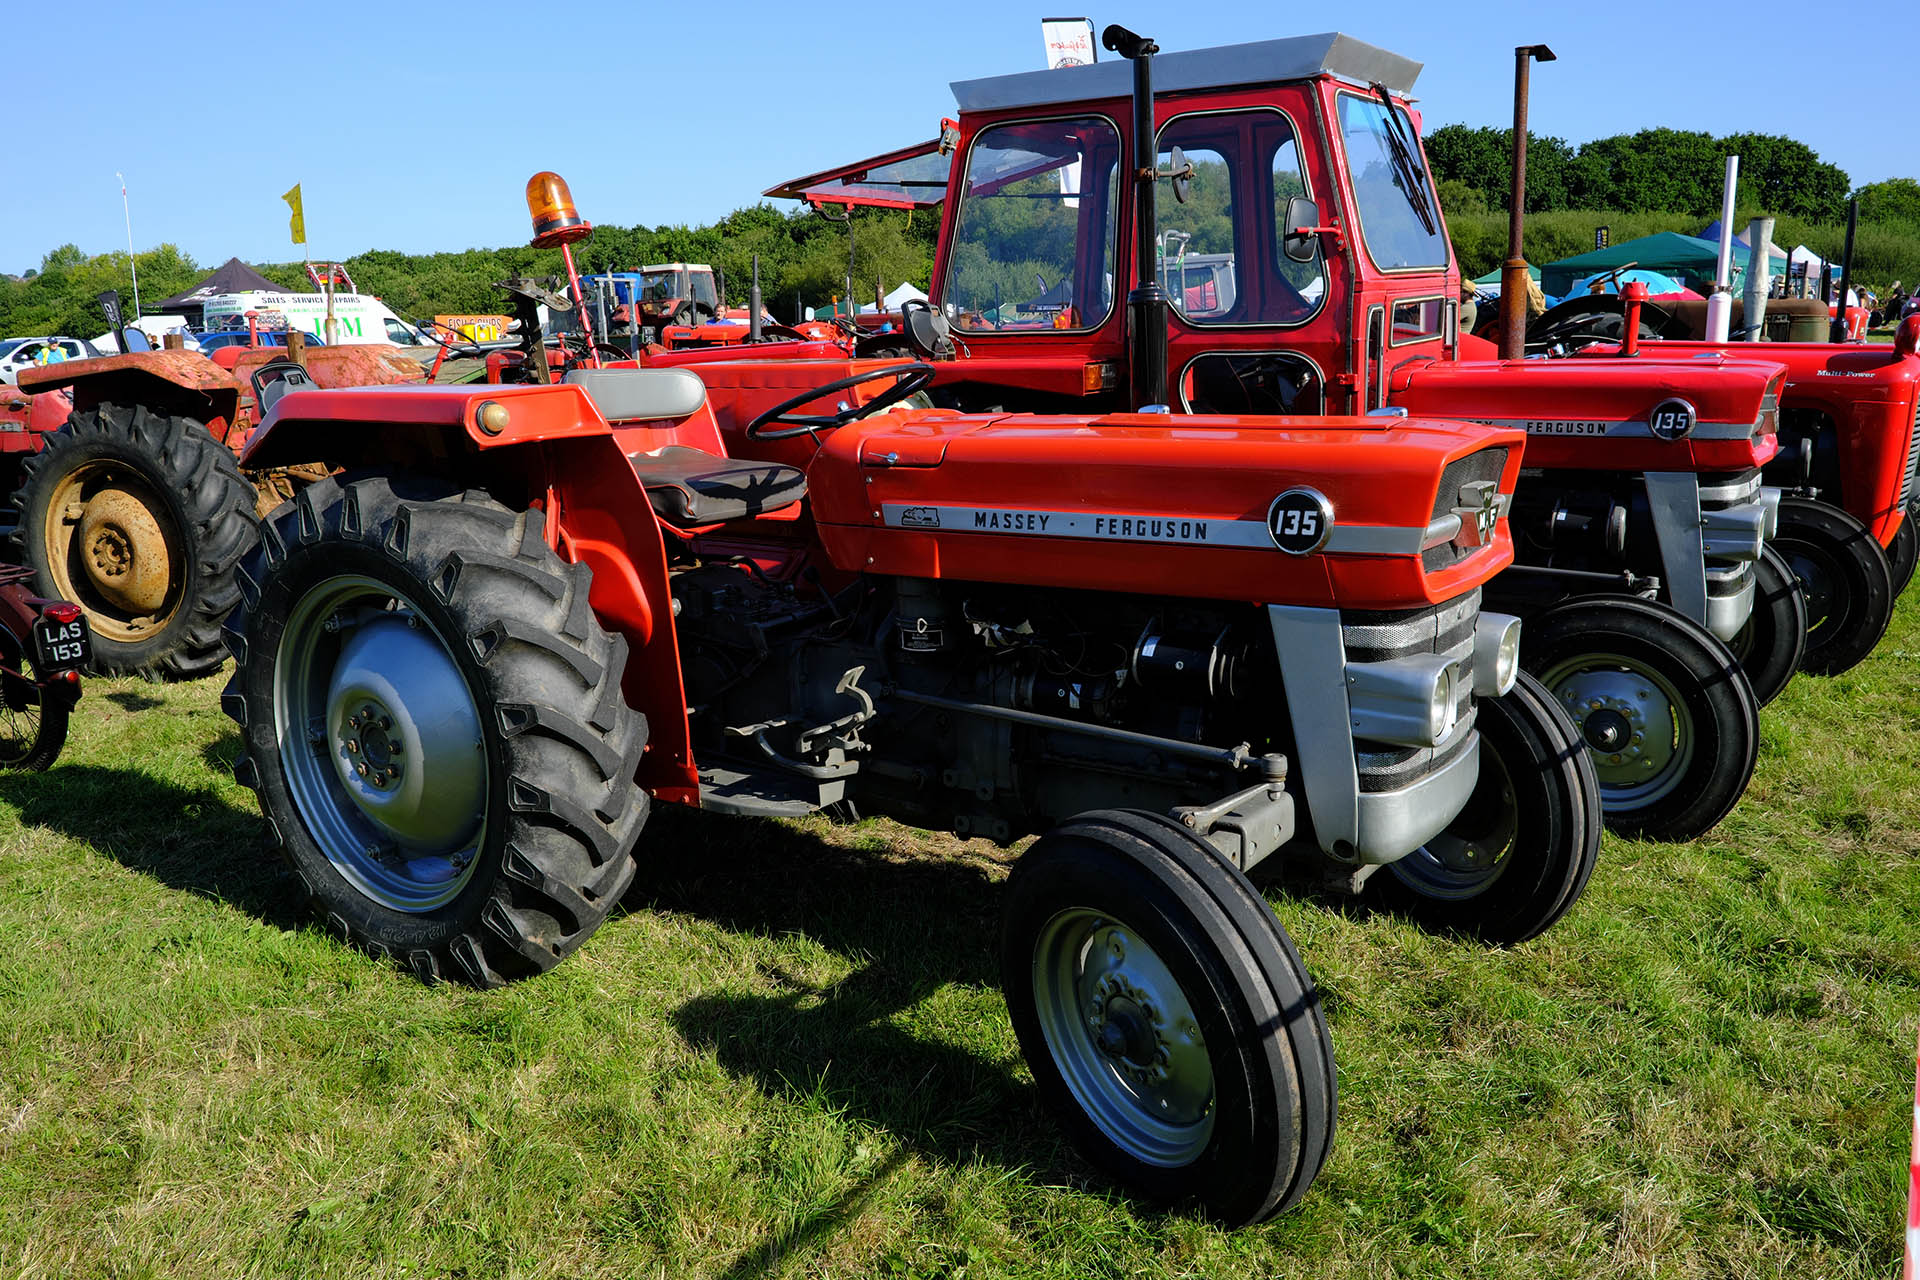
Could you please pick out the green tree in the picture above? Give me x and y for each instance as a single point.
(1895, 200)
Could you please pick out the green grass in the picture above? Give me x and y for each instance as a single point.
(789, 1058)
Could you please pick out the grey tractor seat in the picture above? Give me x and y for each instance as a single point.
(690, 487)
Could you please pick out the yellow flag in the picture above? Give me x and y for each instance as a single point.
(298, 223)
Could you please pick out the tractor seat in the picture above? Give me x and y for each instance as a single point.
(690, 487)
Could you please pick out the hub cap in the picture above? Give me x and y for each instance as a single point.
(382, 744)
(1124, 1037)
(1632, 719)
(112, 548)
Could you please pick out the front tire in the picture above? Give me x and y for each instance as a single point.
(141, 519)
(1519, 855)
(432, 719)
(1661, 704)
(1773, 642)
(1166, 1015)
(1846, 580)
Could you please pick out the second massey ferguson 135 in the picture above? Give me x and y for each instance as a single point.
(1325, 283)
(1174, 647)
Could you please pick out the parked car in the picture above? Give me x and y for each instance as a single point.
(212, 342)
(24, 353)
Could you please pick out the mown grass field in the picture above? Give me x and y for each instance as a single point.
(790, 1058)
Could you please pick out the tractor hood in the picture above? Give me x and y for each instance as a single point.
(1639, 413)
(1218, 507)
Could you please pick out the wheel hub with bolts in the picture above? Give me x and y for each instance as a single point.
(369, 743)
(1634, 722)
(123, 551)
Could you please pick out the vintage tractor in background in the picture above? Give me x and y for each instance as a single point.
(1330, 287)
(467, 663)
(127, 500)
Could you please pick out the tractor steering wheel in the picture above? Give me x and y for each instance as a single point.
(447, 336)
(908, 379)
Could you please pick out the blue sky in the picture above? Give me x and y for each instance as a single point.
(417, 124)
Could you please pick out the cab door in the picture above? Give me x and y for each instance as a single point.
(1251, 331)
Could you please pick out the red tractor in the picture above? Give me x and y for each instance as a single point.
(126, 498)
(1328, 286)
(466, 665)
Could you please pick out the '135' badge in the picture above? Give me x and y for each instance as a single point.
(1300, 520)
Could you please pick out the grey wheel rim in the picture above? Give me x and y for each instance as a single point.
(1634, 722)
(1477, 847)
(1124, 1037)
(380, 738)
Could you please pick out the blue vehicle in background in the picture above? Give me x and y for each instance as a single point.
(212, 342)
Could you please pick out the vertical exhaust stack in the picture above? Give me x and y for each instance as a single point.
(1759, 278)
(1147, 303)
(1839, 331)
(1514, 277)
(753, 303)
(1720, 301)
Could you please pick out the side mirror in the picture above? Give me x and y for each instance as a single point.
(1301, 239)
(1180, 173)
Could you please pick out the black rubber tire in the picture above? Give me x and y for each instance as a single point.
(204, 505)
(562, 808)
(1774, 641)
(1710, 762)
(1534, 767)
(33, 726)
(1274, 1092)
(1903, 552)
(1846, 580)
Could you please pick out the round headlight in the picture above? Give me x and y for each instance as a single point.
(1506, 666)
(1440, 709)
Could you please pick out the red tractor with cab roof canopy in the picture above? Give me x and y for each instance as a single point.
(1327, 285)
(1175, 648)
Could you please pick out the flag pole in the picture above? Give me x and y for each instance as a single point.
(133, 266)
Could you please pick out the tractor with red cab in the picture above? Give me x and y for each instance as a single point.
(467, 663)
(1303, 267)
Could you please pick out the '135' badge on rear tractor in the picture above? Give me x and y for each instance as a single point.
(1300, 520)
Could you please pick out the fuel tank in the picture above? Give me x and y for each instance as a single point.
(1644, 413)
(1357, 513)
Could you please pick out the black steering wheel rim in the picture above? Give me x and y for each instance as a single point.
(908, 379)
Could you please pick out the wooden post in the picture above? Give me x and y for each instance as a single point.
(297, 347)
(174, 341)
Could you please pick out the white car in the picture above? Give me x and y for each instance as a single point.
(24, 353)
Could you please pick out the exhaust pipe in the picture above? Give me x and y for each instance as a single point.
(1759, 279)
(1147, 303)
(1839, 332)
(753, 303)
(1514, 276)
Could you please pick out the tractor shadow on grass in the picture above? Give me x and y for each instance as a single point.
(191, 839)
(911, 927)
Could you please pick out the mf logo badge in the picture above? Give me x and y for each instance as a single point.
(1672, 420)
(1479, 512)
(920, 518)
(1300, 520)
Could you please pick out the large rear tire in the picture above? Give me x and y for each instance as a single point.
(1661, 704)
(432, 719)
(140, 518)
(1844, 574)
(1774, 641)
(1166, 1016)
(1519, 855)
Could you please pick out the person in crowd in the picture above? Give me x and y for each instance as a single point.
(1469, 309)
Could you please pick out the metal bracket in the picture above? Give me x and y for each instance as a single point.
(1245, 826)
(1674, 500)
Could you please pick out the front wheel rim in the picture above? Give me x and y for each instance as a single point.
(1124, 1037)
(1475, 850)
(1634, 722)
(390, 776)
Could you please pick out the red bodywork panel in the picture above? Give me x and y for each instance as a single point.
(1871, 394)
(1381, 475)
(1590, 415)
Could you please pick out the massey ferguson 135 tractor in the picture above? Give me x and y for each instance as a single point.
(126, 498)
(1329, 286)
(465, 667)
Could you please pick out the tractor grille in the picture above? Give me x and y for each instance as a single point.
(1913, 456)
(1375, 636)
(1488, 464)
(1719, 492)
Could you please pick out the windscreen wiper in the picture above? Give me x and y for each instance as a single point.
(1412, 180)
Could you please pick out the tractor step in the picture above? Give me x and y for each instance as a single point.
(764, 793)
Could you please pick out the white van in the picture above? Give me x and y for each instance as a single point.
(358, 317)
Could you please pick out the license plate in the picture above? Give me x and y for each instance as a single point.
(59, 646)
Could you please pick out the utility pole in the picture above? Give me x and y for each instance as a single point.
(127, 211)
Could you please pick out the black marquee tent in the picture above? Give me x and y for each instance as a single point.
(234, 276)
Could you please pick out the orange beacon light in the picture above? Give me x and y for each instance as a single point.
(555, 220)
